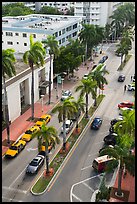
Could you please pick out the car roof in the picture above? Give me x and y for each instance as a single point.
(68, 121)
(97, 118)
(44, 116)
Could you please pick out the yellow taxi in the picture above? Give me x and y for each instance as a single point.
(45, 118)
(15, 149)
(28, 134)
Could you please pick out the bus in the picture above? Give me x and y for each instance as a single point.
(100, 163)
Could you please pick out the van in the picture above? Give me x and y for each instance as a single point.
(100, 163)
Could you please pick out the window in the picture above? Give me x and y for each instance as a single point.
(75, 26)
(24, 35)
(34, 35)
(63, 31)
(56, 34)
(9, 34)
(25, 44)
(74, 34)
(68, 28)
(59, 32)
(59, 42)
(17, 42)
(9, 43)
(63, 40)
(17, 34)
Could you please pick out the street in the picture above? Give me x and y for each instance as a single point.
(77, 174)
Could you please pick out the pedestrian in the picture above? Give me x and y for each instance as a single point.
(131, 77)
(87, 68)
(125, 88)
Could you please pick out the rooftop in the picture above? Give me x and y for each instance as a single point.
(38, 22)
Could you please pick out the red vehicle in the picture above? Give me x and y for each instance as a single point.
(100, 163)
(127, 104)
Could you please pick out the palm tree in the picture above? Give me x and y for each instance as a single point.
(52, 44)
(34, 56)
(79, 104)
(65, 110)
(126, 128)
(98, 75)
(126, 160)
(122, 48)
(49, 136)
(8, 68)
(86, 87)
(87, 37)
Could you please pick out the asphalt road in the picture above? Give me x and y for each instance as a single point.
(76, 182)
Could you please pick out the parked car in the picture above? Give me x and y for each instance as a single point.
(105, 146)
(124, 109)
(96, 123)
(15, 149)
(100, 163)
(127, 104)
(35, 164)
(45, 118)
(110, 139)
(66, 94)
(85, 76)
(28, 133)
(131, 87)
(115, 120)
(68, 127)
(121, 78)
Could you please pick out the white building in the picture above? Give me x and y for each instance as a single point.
(19, 87)
(96, 13)
(16, 30)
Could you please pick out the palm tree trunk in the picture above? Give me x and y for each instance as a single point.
(64, 134)
(50, 81)
(32, 92)
(119, 192)
(6, 111)
(95, 102)
(47, 159)
(86, 52)
(86, 105)
(121, 59)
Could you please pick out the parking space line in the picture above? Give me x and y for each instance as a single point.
(88, 186)
(14, 189)
(76, 197)
(86, 167)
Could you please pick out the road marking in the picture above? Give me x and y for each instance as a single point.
(10, 199)
(92, 154)
(31, 149)
(76, 197)
(14, 189)
(86, 167)
(88, 186)
(17, 177)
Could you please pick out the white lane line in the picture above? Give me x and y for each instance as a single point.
(88, 187)
(14, 189)
(17, 177)
(10, 199)
(76, 197)
(86, 167)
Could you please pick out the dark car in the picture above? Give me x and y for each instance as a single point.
(105, 146)
(103, 59)
(115, 120)
(96, 123)
(121, 78)
(110, 139)
(35, 164)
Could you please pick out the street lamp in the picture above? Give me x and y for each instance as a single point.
(42, 96)
(62, 83)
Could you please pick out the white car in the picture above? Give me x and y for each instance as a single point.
(85, 76)
(124, 109)
(130, 87)
(69, 125)
(65, 95)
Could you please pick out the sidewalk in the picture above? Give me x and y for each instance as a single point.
(21, 124)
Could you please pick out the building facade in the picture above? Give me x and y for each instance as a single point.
(16, 30)
(96, 13)
(19, 87)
